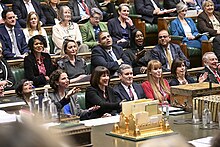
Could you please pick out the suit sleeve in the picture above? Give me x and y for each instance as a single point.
(24, 46)
(181, 55)
(93, 98)
(29, 66)
(143, 9)
(10, 75)
(98, 59)
(6, 50)
(155, 55)
(174, 30)
(202, 25)
(111, 28)
(84, 31)
(17, 10)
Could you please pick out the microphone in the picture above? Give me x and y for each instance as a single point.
(209, 75)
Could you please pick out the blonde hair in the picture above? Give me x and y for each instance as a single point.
(30, 30)
(154, 64)
(206, 2)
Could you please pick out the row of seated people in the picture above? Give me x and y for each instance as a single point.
(120, 29)
(102, 100)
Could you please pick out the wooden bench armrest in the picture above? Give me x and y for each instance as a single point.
(206, 46)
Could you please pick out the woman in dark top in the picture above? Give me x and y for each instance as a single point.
(74, 66)
(180, 74)
(99, 93)
(51, 12)
(6, 77)
(136, 53)
(209, 21)
(120, 28)
(59, 82)
(38, 65)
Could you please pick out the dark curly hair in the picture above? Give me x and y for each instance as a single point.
(54, 77)
(19, 88)
(31, 42)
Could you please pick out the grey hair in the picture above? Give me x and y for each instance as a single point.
(60, 13)
(205, 56)
(94, 11)
(123, 67)
(180, 6)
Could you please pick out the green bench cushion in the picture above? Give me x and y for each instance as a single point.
(194, 52)
(81, 100)
(18, 74)
(151, 28)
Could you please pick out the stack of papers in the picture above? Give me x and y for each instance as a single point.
(202, 142)
(6, 117)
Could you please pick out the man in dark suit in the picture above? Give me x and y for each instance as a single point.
(23, 7)
(211, 72)
(151, 10)
(108, 55)
(166, 52)
(12, 38)
(127, 89)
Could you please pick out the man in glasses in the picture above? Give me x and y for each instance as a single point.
(166, 52)
(91, 29)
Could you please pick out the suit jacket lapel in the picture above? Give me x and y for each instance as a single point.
(91, 30)
(23, 7)
(123, 92)
(180, 26)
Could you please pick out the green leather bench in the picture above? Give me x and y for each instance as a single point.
(18, 73)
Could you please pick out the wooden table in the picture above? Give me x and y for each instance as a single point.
(182, 95)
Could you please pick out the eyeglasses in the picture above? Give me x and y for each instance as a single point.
(160, 37)
(184, 10)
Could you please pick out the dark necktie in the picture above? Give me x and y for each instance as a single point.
(131, 93)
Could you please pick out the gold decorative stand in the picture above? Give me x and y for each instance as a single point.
(140, 120)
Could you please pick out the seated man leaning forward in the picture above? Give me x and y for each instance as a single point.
(211, 67)
(127, 89)
(108, 55)
(166, 52)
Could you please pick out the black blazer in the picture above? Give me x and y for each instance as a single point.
(157, 53)
(20, 10)
(100, 57)
(146, 8)
(94, 96)
(50, 14)
(32, 72)
(205, 24)
(175, 82)
(114, 28)
(121, 92)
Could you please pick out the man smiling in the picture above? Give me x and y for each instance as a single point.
(166, 52)
(126, 89)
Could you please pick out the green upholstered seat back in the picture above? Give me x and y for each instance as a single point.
(18, 74)
(81, 100)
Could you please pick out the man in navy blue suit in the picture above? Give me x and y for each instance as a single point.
(166, 52)
(12, 38)
(108, 55)
(127, 89)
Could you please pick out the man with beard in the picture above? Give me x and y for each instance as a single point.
(91, 29)
(211, 67)
(166, 52)
(126, 89)
(108, 55)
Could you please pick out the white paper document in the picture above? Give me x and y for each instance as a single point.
(202, 142)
